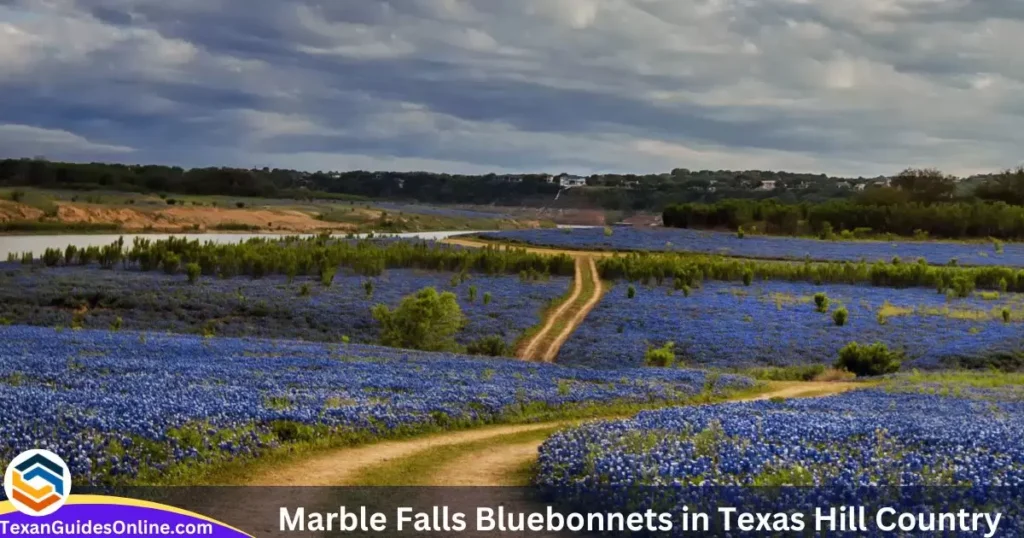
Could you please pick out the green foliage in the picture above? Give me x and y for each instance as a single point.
(821, 302)
(740, 234)
(1006, 315)
(170, 263)
(193, 271)
(869, 360)
(426, 320)
(492, 346)
(304, 290)
(840, 316)
(608, 231)
(786, 373)
(748, 277)
(487, 298)
(116, 324)
(52, 256)
(631, 291)
(661, 357)
(368, 289)
(472, 293)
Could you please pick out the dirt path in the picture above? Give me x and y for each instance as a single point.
(529, 351)
(545, 344)
(489, 464)
(581, 314)
(501, 465)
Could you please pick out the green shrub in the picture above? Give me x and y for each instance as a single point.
(492, 346)
(304, 290)
(487, 297)
(239, 205)
(869, 360)
(631, 291)
(368, 289)
(425, 320)
(748, 276)
(193, 271)
(1006, 315)
(116, 324)
(472, 293)
(608, 231)
(52, 256)
(661, 357)
(740, 233)
(171, 262)
(821, 302)
(840, 316)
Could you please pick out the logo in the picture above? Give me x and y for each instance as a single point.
(37, 482)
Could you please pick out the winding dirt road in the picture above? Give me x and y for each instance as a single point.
(489, 464)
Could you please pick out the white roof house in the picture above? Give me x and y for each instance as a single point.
(572, 181)
(767, 185)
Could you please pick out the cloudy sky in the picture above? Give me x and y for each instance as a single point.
(851, 87)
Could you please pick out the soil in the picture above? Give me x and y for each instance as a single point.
(552, 351)
(489, 467)
(530, 350)
(175, 219)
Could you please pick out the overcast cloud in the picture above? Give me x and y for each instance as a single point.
(845, 87)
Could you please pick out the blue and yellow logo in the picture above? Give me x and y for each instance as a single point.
(37, 482)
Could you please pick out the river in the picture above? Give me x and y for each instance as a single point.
(39, 243)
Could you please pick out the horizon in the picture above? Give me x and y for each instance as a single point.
(468, 87)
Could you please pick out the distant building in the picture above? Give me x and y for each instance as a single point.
(767, 185)
(567, 181)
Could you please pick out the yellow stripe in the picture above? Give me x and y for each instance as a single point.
(25, 487)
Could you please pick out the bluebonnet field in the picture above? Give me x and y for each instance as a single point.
(115, 404)
(266, 307)
(767, 247)
(860, 438)
(846, 445)
(775, 323)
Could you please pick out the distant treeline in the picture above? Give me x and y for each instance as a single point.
(319, 256)
(919, 202)
(952, 220)
(624, 192)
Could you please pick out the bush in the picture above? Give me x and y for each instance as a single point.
(368, 288)
(52, 256)
(1006, 315)
(840, 316)
(608, 231)
(740, 233)
(748, 277)
(304, 290)
(869, 360)
(487, 298)
(116, 324)
(193, 271)
(821, 302)
(426, 320)
(661, 357)
(492, 346)
(239, 205)
(171, 262)
(472, 293)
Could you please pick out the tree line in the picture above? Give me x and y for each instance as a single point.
(918, 202)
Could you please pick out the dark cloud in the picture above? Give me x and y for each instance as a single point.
(642, 85)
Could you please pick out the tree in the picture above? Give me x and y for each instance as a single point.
(425, 320)
(869, 360)
(925, 184)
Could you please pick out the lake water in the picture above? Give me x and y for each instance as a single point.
(39, 243)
